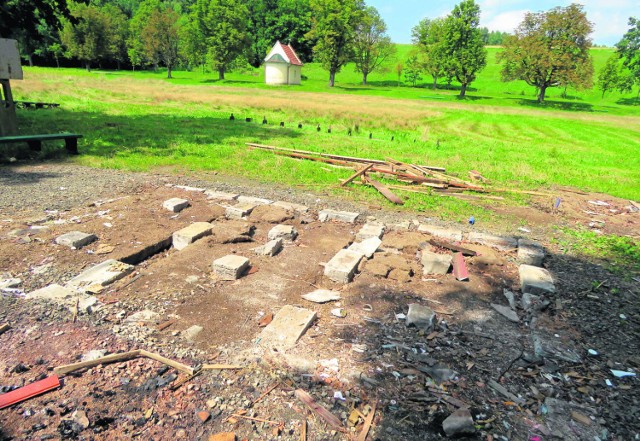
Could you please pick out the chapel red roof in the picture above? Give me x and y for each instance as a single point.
(291, 54)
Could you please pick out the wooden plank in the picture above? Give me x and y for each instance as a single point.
(4, 328)
(174, 364)
(459, 267)
(356, 174)
(221, 366)
(123, 356)
(367, 423)
(384, 191)
(29, 391)
(323, 413)
(326, 155)
(477, 176)
(312, 158)
(452, 247)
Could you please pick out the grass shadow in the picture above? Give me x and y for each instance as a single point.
(556, 105)
(629, 101)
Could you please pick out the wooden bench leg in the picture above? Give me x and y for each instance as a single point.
(71, 145)
(35, 145)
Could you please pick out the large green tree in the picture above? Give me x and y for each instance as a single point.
(333, 27)
(462, 44)
(428, 36)
(223, 24)
(371, 45)
(550, 49)
(629, 50)
(160, 37)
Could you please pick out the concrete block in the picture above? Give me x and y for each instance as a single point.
(286, 328)
(420, 316)
(458, 424)
(507, 312)
(530, 252)
(342, 267)
(322, 296)
(271, 248)
(188, 188)
(502, 243)
(54, 293)
(175, 205)
(435, 263)
(443, 233)
(102, 274)
(230, 267)
(370, 230)
(290, 206)
(286, 232)
(76, 239)
(10, 283)
(338, 216)
(240, 210)
(144, 316)
(535, 280)
(220, 195)
(254, 200)
(188, 235)
(367, 247)
(191, 333)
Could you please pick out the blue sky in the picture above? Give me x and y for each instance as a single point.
(609, 17)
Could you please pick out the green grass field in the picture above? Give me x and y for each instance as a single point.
(142, 121)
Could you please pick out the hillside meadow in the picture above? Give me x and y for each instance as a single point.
(142, 121)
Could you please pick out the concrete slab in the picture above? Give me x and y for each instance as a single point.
(322, 296)
(367, 247)
(230, 267)
(502, 243)
(102, 274)
(220, 195)
(338, 216)
(507, 312)
(55, 293)
(10, 283)
(342, 267)
(240, 210)
(286, 232)
(188, 188)
(443, 233)
(370, 230)
(144, 316)
(535, 280)
(288, 325)
(175, 205)
(530, 252)
(434, 263)
(76, 239)
(254, 200)
(420, 316)
(188, 235)
(271, 248)
(290, 206)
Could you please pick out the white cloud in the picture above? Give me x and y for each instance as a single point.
(505, 21)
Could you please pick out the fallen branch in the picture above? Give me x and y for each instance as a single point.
(323, 413)
(221, 366)
(260, 420)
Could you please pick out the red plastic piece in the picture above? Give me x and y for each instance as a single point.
(29, 391)
(459, 267)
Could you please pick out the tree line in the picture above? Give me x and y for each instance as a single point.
(548, 49)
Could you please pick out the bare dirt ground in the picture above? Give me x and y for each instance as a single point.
(531, 380)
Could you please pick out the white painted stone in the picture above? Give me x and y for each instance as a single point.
(175, 205)
(322, 296)
(230, 267)
(420, 316)
(367, 247)
(338, 216)
(191, 333)
(101, 274)
(197, 230)
(342, 267)
(88, 304)
(443, 233)
(94, 354)
(240, 210)
(187, 188)
(434, 263)
(370, 230)
(76, 239)
(535, 280)
(287, 326)
(220, 195)
(290, 206)
(530, 252)
(10, 283)
(401, 226)
(502, 243)
(271, 248)
(286, 232)
(55, 293)
(254, 200)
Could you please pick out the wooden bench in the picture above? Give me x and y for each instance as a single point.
(35, 141)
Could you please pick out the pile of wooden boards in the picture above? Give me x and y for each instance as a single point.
(414, 178)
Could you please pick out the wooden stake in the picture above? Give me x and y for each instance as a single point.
(4, 328)
(367, 423)
(385, 191)
(303, 432)
(260, 420)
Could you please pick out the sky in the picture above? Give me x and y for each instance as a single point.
(609, 17)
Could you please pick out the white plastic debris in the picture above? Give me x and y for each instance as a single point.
(623, 317)
(608, 382)
(337, 395)
(339, 312)
(524, 230)
(401, 316)
(622, 374)
(593, 352)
